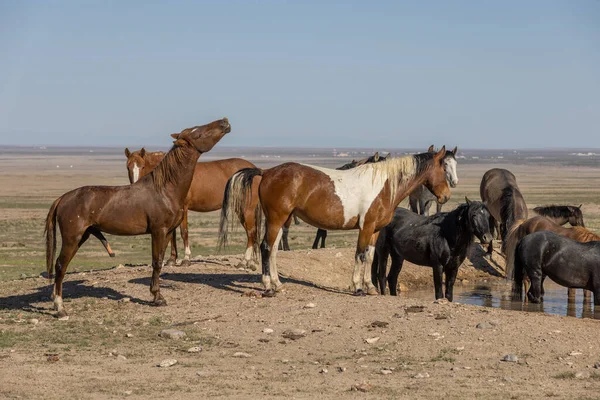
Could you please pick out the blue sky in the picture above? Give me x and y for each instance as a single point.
(480, 74)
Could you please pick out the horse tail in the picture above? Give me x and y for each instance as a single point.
(50, 233)
(518, 273)
(236, 199)
(513, 236)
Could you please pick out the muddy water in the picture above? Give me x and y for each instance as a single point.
(498, 295)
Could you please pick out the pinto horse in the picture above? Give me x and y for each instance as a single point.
(500, 192)
(441, 241)
(322, 233)
(421, 199)
(567, 262)
(205, 194)
(538, 223)
(562, 214)
(153, 205)
(362, 198)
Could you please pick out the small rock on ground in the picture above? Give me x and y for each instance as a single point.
(268, 331)
(195, 349)
(421, 375)
(510, 358)
(379, 324)
(385, 371)
(310, 305)
(167, 363)
(172, 334)
(485, 325)
(372, 340)
(294, 334)
(241, 354)
(361, 387)
(34, 321)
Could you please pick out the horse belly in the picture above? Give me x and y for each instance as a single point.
(567, 271)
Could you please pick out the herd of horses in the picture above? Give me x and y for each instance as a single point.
(362, 195)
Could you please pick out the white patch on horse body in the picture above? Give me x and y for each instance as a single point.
(58, 303)
(136, 173)
(248, 254)
(188, 253)
(450, 167)
(356, 188)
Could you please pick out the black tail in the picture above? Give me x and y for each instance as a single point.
(237, 197)
(518, 272)
(50, 233)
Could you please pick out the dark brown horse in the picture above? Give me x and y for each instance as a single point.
(538, 223)
(500, 192)
(562, 214)
(362, 198)
(205, 194)
(153, 205)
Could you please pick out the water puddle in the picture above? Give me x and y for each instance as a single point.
(498, 295)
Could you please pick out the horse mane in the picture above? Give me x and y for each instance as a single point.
(167, 170)
(583, 235)
(398, 170)
(507, 210)
(554, 211)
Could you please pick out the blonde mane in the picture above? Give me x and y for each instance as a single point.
(397, 171)
(584, 235)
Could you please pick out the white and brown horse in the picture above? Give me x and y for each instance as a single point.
(362, 198)
(205, 194)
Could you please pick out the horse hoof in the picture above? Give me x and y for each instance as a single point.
(62, 315)
(185, 263)
(112, 255)
(359, 292)
(160, 303)
(268, 293)
(372, 291)
(280, 289)
(170, 263)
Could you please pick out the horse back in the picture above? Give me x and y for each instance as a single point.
(493, 183)
(208, 185)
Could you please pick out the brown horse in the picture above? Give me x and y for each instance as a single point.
(501, 194)
(153, 205)
(205, 195)
(362, 198)
(562, 214)
(523, 228)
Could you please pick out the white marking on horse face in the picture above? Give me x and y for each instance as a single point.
(450, 167)
(136, 172)
(356, 189)
(194, 130)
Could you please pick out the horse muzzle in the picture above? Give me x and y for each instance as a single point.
(225, 125)
(486, 238)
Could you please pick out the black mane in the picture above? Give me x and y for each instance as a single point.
(554, 211)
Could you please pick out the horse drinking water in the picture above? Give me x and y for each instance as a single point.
(441, 241)
(153, 205)
(362, 198)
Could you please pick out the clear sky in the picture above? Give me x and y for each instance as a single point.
(387, 74)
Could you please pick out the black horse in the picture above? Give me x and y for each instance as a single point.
(562, 214)
(565, 261)
(322, 233)
(441, 241)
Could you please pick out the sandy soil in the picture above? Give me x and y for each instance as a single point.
(110, 346)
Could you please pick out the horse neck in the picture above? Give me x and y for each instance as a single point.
(457, 228)
(173, 175)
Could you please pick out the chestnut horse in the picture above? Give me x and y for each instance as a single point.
(523, 228)
(500, 192)
(362, 198)
(562, 214)
(153, 205)
(205, 195)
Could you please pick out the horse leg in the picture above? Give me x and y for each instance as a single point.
(368, 278)
(186, 262)
(269, 248)
(296, 220)
(437, 280)
(286, 230)
(159, 245)
(69, 247)
(438, 207)
(250, 258)
(102, 240)
(364, 238)
(323, 237)
(379, 266)
(535, 291)
(425, 208)
(451, 273)
(413, 204)
(171, 262)
(397, 262)
(317, 237)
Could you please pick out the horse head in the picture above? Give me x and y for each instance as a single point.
(479, 219)
(203, 138)
(449, 165)
(136, 164)
(435, 177)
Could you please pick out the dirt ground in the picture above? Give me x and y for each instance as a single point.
(313, 340)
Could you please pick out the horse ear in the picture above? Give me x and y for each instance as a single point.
(430, 149)
(175, 136)
(580, 206)
(468, 201)
(440, 154)
(142, 152)
(455, 151)
(376, 156)
(127, 152)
